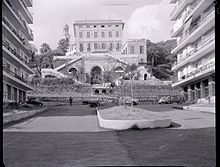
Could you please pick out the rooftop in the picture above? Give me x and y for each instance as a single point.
(98, 21)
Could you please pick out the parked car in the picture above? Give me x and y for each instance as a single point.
(34, 102)
(127, 100)
(177, 99)
(164, 100)
(171, 99)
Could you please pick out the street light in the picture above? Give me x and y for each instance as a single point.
(132, 77)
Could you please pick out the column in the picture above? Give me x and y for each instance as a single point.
(202, 89)
(196, 92)
(182, 91)
(20, 96)
(24, 96)
(211, 86)
(189, 93)
(193, 92)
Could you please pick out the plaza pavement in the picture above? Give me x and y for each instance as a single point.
(75, 122)
(74, 138)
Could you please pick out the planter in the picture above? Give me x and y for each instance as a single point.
(154, 121)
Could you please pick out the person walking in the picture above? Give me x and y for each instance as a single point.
(71, 100)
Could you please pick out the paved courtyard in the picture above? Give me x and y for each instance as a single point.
(71, 136)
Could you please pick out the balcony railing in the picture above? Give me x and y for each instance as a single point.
(203, 44)
(197, 26)
(14, 74)
(177, 5)
(20, 19)
(14, 52)
(5, 95)
(26, 9)
(198, 70)
(195, 4)
(23, 40)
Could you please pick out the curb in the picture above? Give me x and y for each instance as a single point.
(178, 107)
(203, 109)
(128, 124)
(20, 115)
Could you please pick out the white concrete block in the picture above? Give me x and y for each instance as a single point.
(127, 124)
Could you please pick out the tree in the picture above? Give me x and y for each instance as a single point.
(57, 52)
(130, 68)
(154, 54)
(45, 48)
(108, 77)
(63, 45)
(96, 79)
(88, 78)
(160, 58)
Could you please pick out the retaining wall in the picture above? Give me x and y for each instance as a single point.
(15, 116)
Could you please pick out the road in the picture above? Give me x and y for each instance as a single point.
(66, 136)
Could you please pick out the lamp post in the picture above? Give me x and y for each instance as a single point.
(132, 91)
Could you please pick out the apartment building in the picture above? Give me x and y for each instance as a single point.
(16, 35)
(138, 47)
(98, 35)
(194, 29)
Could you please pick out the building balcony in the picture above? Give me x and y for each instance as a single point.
(205, 47)
(14, 36)
(203, 26)
(173, 1)
(175, 31)
(15, 57)
(15, 79)
(29, 3)
(196, 74)
(178, 8)
(10, 11)
(197, 8)
(24, 10)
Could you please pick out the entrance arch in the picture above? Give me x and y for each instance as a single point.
(145, 76)
(73, 72)
(97, 74)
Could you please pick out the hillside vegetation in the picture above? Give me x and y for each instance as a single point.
(160, 58)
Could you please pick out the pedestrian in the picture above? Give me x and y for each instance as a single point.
(71, 100)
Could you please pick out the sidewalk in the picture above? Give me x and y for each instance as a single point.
(17, 115)
(210, 107)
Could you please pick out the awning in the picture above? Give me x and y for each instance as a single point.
(187, 24)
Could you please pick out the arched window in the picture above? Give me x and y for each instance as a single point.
(104, 91)
(119, 69)
(50, 76)
(96, 91)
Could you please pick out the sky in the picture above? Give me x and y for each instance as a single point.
(147, 19)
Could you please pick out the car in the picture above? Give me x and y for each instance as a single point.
(127, 100)
(34, 102)
(164, 100)
(171, 99)
(174, 99)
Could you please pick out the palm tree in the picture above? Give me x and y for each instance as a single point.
(153, 56)
(45, 48)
